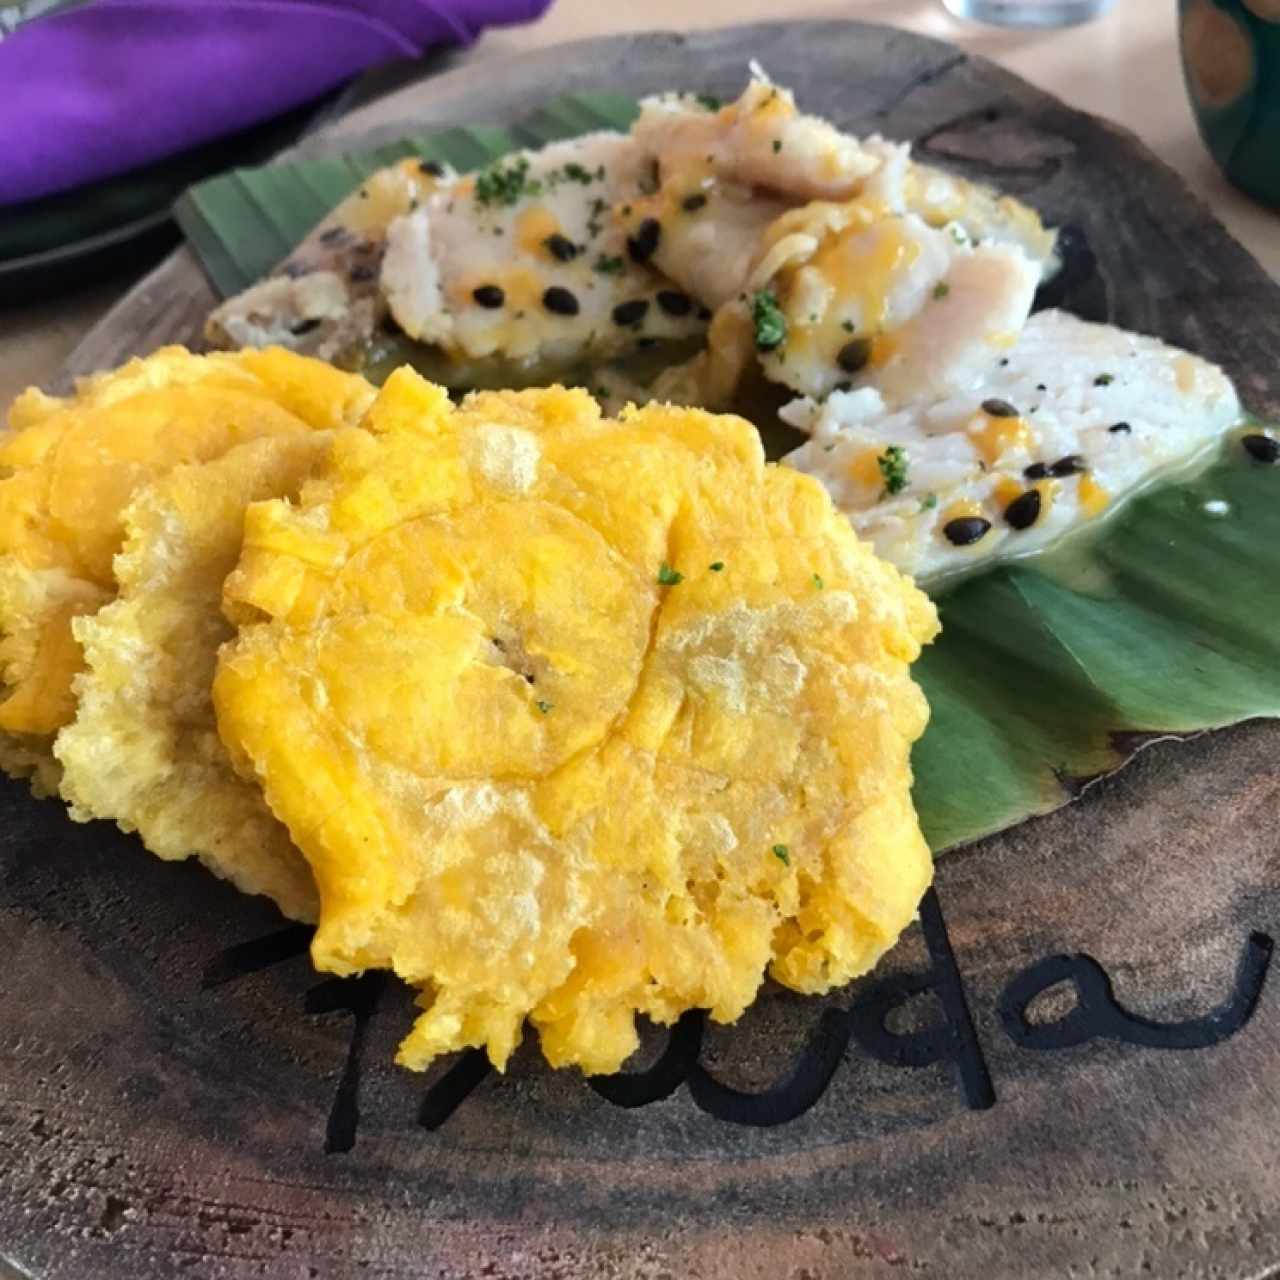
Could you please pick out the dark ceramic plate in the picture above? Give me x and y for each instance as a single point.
(67, 238)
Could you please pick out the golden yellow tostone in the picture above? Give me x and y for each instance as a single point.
(576, 719)
(69, 469)
(143, 749)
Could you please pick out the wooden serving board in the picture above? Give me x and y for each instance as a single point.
(181, 1095)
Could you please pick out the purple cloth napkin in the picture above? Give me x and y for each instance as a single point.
(101, 89)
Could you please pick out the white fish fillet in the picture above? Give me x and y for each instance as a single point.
(324, 300)
(761, 140)
(941, 198)
(582, 249)
(1096, 413)
(887, 301)
(538, 271)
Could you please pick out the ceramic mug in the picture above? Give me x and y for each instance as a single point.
(1231, 61)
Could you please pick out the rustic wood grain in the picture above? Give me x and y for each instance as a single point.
(153, 1127)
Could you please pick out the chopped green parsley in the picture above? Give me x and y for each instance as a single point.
(941, 289)
(607, 266)
(544, 707)
(770, 323)
(708, 100)
(847, 326)
(777, 145)
(667, 576)
(505, 184)
(928, 502)
(716, 565)
(818, 582)
(1104, 379)
(783, 854)
(893, 467)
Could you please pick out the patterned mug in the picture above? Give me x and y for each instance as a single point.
(1231, 61)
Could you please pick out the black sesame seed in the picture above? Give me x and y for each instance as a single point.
(999, 409)
(561, 248)
(965, 530)
(304, 326)
(854, 355)
(1036, 471)
(843, 386)
(675, 303)
(1024, 510)
(691, 204)
(334, 235)
(1040, 386)
(295, 269)
(560, 301)
(433, 168)
(1071, 465)
(1120, 428)
(644, 243)
(704, 313)
(1004, 360)
(489, 295)
(1262, 448)
(389, 324)
(629, 313)
(359, 275)
(643, 344)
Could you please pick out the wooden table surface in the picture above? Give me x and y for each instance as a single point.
(1123, 65)
(166, 1100)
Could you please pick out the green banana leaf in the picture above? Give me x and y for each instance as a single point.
(1037, 685)
(1046, 674)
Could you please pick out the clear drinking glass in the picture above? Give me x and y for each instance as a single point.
(1028, 13)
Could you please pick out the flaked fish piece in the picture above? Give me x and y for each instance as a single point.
(851, 295)
(865, 296)
(706, 238)
(1073, 419)
(531, 260)
(761, 140)
(829, 292)
(943, 199)
(324, 300)
(551, 260)
(716, 178)
(720, 180)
